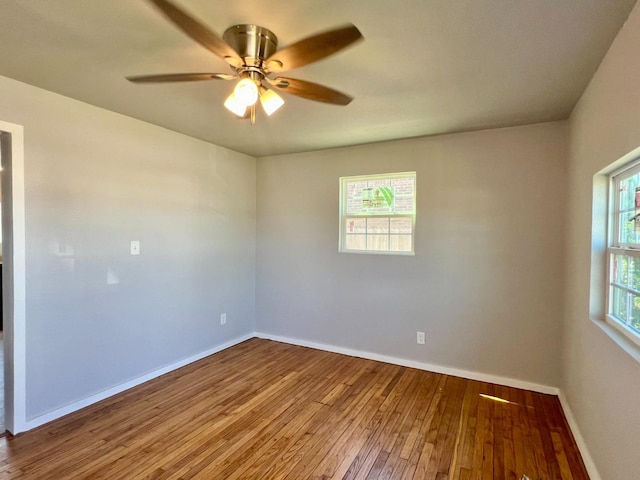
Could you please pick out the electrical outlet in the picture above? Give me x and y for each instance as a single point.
(420, 338)
(223, 318)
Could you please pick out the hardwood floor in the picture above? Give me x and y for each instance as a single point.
(267, 410)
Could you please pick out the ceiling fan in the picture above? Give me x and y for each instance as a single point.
(251, 51)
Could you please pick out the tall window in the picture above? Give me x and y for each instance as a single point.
(623, 300)
(378, 213)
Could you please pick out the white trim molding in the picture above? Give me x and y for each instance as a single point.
(85, 402)
(577, 436)
(482, 377)
(479, 376)
(14, 287)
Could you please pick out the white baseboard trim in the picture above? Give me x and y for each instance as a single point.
(482, 377)
(589, 464)
(67, 409)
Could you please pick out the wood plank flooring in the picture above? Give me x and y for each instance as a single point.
(267, 410)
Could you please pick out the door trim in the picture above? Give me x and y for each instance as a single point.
(14, 276)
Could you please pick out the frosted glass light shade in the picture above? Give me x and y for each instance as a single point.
(246, 92)
(235, 106)
(270, 101)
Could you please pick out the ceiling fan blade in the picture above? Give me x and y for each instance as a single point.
(310, 90)
(179, 77)
(313, 48)
(199, 32)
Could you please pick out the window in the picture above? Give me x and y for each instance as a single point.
(623, 299)
(377, 213)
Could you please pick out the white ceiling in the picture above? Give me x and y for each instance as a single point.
(426, 66)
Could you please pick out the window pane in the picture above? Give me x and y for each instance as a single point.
(378, 242)
(626, 271)
(379, 195)
(354, 196)
(621, 269)
(619, 307)
(628, 192)
(635, 313)
(404, 186)
(378, 213)
(378, 225)
(356, 225)
(356, 242)
(629, 205)
(627, 229)
(626, 199)
(400, 243)
(624, 275)
(404, 204)
(401, 225)
(633, 272)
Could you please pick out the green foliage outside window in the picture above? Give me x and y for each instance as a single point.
(624, 297)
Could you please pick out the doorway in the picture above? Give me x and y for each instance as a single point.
(13, 276)
(2, 427)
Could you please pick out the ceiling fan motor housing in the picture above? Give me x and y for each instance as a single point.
(252, 42)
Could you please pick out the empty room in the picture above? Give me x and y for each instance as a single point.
(320, 240)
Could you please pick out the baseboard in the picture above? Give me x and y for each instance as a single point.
(67, 409)
(582, 445)
(482, 377)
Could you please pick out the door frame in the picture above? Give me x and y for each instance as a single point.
(14, 276)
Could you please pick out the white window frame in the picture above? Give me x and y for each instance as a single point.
(617, 247)
(344, 215)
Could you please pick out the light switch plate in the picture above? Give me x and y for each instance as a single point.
(135, 247)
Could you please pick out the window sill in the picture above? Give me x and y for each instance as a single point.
(624, 342)
(378, 252)
(631, 334)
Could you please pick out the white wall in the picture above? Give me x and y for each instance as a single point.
(485, 283)
(601, 381)
(98, 317)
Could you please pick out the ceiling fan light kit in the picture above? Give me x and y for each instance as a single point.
(246, 91)
(270, 101)
(235, 106)
(252, 53)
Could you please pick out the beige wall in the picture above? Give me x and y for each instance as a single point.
(98, 317)
(485, 283)
(600, 380)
